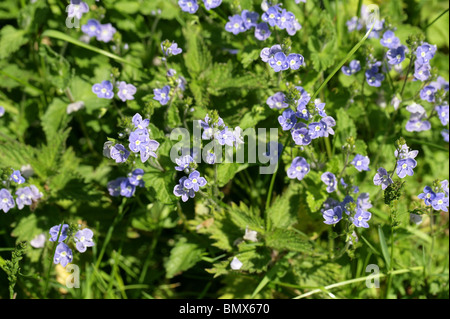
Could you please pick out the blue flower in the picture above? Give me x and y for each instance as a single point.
(279, 62)
(195, 181)
(106, 32)
(173, 49)
(428, 93)
(91, 28)
(300, 134)
(361, 218)
(330, 180)
(425, 53)
(267, 53)
(440, 202)
(119, 153)
(54, 231)
(190, 6)
(320, 107)
(303, 113)
(382, 178)
(77, 9)
(353, 67)
(287, 119)
(271, 16)
(262, 31)
(24, 197)
(183, 163)
(139, 123)
(126, 91)
(293, 27)
(211, 4)
(441, 82)
(126, 188)
(135, 177)
(2, 111)
(183, 192)
(405, 167)
(422, 71)
(249, 18)
(224, 136)
(114, 186)
(428, 195)
(332, 216)
(328, 122)
(149, 150)
(298, 169)
(103, 90)
(317, 129)
(276, 101)
(63, 255)
(83, 239)
(361, 162)
(17, 177)
(235, 24)
(295, 61)
(138, 141)
(374, 78)
(6, 200)
(304, 98)
(162, 95)
(389, 40)
(363, 201)
(417, 125)
(405, 152)
(353, 24)
(445, 135)
(396, 55)
(286, 19)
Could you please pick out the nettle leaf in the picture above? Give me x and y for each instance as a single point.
(345, 127)
(15, 154)
(316, 194)
(226, 171)
(182, 257)
(161, 185)
(198, 57)
(254, 258)
(244, 217)
(59, 68)
(283, 239)
(11, 40)
(283, 212)
(55, 119)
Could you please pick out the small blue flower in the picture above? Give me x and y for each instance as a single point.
(138, 141)
(353, 67)
(361, 162)
(139, 123)
(106, 33)
(126, 91)
(6, 200)
(272, 16)
(190, 6)
(428, 195)
(286, 19)
(330, 180)
(17, 177)
(183, 192)
(361, 218)
(211, 4)
(428, 93)
(396, 55)
(276, 101)
(92, 28)
(54, 231)
(445, 135)
(382, 178)
(2, 111)
(417, 125)
(363, 201)
(332, 216)
(183, 163)
(440, 202)
(162, 95)
(298, 169)
(63, 255)
(279, 62)
(300, 134)
(304, 98)
(422, 71)
(328, 122)
(267, 53)
(195, 181)
(136, 176)
(24, 197)
(119, 153)
(103, 90)
(235, 24)
(262, 31)
(320, 107)
(293, 27)
(373, 77)
(76, 9)
(295, 61)
(353, 24)
(114, 186)
(249, 18)
(425, 53)
(148, 150)
(173, 49)
(405, 167)
(126, 188)
(287, 119)
(225, 137)
(83, 239)
(389, 40)
(317, 129)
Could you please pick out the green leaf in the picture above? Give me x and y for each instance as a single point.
(11, 40)
(384, 248)
(244, 217)
(283, 212)
(55, 119)
(283, 239)
(182, 257)
(226, 171)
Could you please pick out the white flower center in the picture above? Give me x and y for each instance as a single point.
(404, 166)
(440, 202)
(358, 163)
(103, 90)
(194, 181)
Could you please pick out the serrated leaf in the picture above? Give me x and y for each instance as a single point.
(182, 257)
(11, 40)
(282, 239)
(54, 119)
(283, 211)
(243, 217)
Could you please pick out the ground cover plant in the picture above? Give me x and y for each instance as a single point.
(224, 149)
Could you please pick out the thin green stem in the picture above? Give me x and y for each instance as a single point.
(432, 22)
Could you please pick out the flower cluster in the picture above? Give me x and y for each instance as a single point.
(353, 68)
(436, 196)
(396, 51)
(82, 238)
(356, 24)
(126, 186)
(102, 32)
(281, 18)
(422, 67)
(279, 61)
(104, 90)
(357, 213)
(76, 9)
(25, 196)
(191, 6)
